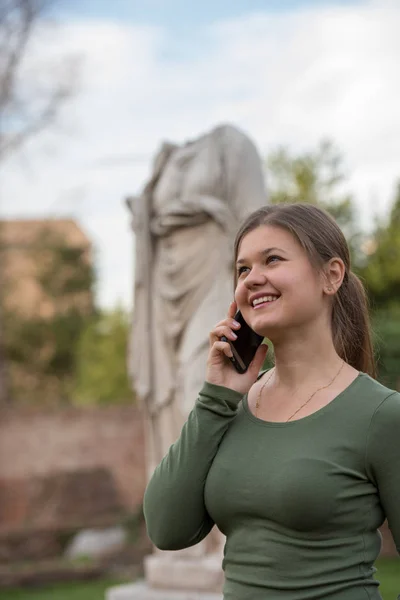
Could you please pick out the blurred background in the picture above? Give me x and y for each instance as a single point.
(89, 89)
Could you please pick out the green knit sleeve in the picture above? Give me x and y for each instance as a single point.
(174, 509)
(383, 460)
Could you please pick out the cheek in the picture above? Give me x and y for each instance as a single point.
(237, 293)
(300, 283)
(303, 292)
(240, 293)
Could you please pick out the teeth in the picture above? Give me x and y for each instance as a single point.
(264, 299)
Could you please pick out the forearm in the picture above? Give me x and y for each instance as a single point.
(174, 509)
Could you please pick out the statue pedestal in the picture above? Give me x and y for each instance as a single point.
(141, 591)
(175, 578)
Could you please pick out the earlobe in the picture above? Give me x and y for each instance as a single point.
(329, 290)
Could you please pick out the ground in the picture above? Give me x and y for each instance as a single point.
(388, 574)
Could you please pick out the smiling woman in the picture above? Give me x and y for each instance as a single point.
(307, 264)
(300, 467)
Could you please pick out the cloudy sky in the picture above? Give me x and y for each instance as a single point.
(286, 72)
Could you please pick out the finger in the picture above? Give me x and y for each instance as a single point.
(223, 330)
(232, 309)
(230, 322)
(223, 348)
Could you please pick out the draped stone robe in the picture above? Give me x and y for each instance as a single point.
(185, 222)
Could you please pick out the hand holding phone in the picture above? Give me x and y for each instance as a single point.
(248, 358)
(245, 346)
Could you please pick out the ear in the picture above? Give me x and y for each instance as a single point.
(334, 273)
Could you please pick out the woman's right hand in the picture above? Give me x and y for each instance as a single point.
(220, 370)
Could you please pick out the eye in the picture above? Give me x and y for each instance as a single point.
(273, 258)
(241, 270)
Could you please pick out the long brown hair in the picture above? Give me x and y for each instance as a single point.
(322, 239)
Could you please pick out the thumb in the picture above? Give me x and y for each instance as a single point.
(259, 357)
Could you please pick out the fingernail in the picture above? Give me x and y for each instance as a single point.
(234, 335)
(235, 324)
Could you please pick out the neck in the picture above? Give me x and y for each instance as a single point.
(307, 355)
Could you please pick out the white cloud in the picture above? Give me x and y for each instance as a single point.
(287, 78)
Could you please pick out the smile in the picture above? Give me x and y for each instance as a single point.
(258, 302)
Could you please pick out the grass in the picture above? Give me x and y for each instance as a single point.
(388, 574)
(87, 590)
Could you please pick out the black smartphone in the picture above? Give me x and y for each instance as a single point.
(245, 346)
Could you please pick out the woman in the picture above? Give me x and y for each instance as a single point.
(301, 466)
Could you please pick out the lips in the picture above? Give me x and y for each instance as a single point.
(263, 298)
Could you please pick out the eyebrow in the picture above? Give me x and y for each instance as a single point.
(263, 253)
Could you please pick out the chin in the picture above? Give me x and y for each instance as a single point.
(264, 325)
(268, 331)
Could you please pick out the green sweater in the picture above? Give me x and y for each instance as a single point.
(300, 502)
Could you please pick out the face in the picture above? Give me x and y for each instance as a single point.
(277, 287)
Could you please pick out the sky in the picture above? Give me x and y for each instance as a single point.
(287, 73)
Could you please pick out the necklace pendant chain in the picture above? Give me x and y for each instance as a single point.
(306, 402)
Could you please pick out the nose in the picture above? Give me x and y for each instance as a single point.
(255, 278)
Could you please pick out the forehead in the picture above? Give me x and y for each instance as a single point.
(267, 236)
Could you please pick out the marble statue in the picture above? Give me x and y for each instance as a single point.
(185, 222)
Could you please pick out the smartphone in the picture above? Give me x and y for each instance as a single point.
(245, 346)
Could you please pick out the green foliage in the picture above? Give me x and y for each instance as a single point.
(386, 327)
(381, 271)
(311, 177)
(101, 376)
(316, 178)
(58, 282)
(41, 350)
(45, 345)
(68, 352)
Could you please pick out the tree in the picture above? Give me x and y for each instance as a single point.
(381, 275)
(381, 271)
(314, 177)
(41, 349)
(101, 376)
(386, 328)
(27, 107)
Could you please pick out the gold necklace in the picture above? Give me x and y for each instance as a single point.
(306, 402)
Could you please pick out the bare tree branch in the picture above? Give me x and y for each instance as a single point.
(17, 20)
(25, 110)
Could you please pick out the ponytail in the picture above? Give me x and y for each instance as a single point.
(351, 325)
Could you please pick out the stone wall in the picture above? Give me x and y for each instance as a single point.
(70, 449)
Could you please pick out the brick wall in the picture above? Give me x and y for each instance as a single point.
(37, 444)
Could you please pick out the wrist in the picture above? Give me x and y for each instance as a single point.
(221, 392)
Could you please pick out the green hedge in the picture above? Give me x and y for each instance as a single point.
(386, 335)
